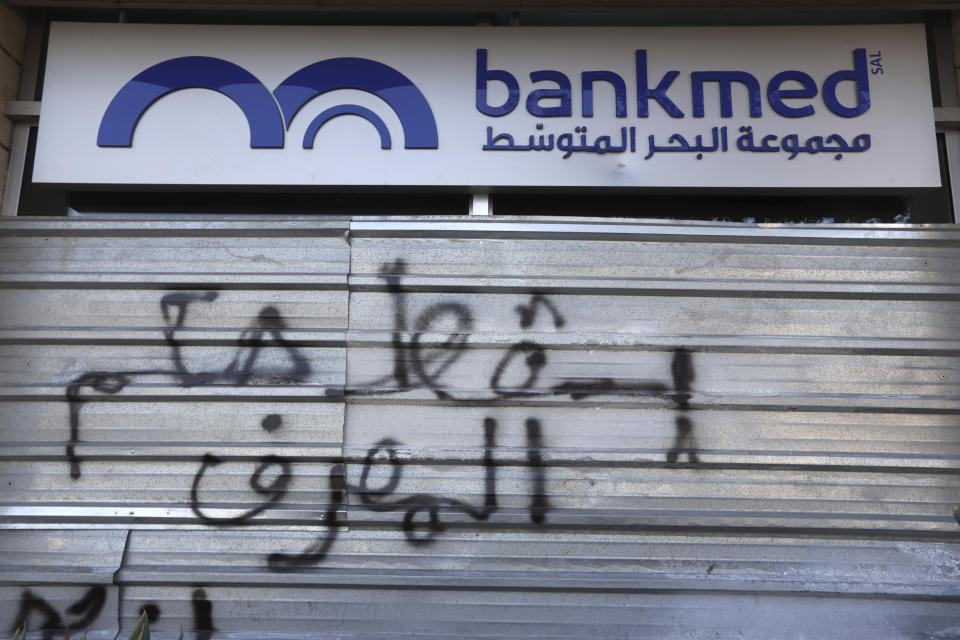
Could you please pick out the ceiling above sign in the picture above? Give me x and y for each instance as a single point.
(770, 107)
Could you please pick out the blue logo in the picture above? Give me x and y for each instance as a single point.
(269, 115)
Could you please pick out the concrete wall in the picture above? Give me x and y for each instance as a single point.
(13, 31)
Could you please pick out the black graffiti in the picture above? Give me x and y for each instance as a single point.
(539, 502)
(430, 363)
(88, 607)
(274, 491)
(85, 612)
(104, 382)
(266, 332)
(535, 360)
(391, 275)
(180, 300)
(29, 603)
(681, 369)
(413, 505)
(528, 313)
(580, 388)
(419, 365)
(202, 614)
(420, 533)
(684, 442)
(316, 552)
(271, 423)
(416, 365)
(420, 360)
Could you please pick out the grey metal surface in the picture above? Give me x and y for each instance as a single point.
(496, 427)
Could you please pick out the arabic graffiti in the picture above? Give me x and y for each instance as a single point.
(564, 142)
(316, 552)
(84, 612)
(202, 614)
(275, 490)
(411, 369)
(373, 498)
(528, 313)
(425, 345)
(242, 369)
(37, 614)
(415, 504)
(104, 382)
(415, 366)
(683, 374)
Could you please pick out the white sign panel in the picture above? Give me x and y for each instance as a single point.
(837, 106)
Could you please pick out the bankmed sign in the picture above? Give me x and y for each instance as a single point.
(738, 107)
